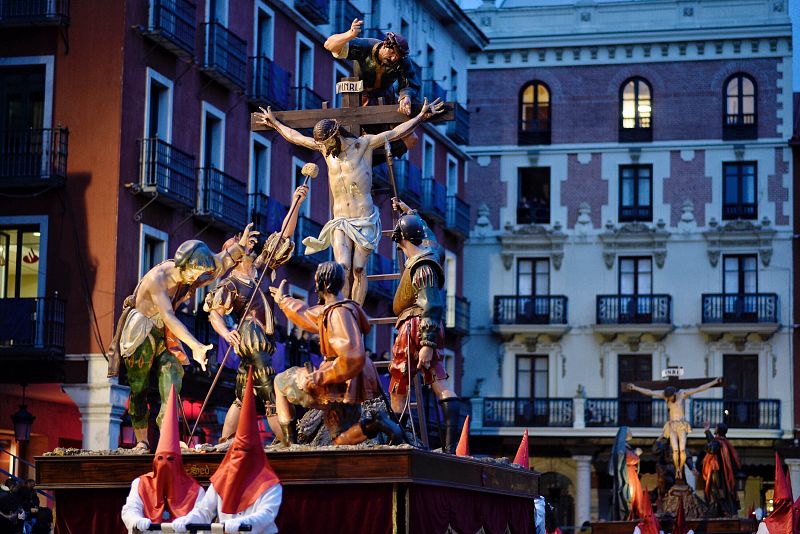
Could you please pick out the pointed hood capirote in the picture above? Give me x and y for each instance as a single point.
(522, 452)
(167, 487)
(244, 474)
(782, 517)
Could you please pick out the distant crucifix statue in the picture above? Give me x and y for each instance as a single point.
(674, 392)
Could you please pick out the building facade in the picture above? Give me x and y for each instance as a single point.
(123, 139)
(631, 196)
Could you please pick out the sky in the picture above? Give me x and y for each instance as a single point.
(794, 13)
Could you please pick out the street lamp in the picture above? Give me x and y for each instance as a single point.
(23, 421)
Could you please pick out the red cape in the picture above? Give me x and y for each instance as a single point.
(244, 474)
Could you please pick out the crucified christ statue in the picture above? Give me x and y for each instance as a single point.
(677, 427)
(355, 229)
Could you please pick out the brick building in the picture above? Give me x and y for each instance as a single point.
(125, 131)
(631, 197)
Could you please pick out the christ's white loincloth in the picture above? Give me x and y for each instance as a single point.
(363, 231)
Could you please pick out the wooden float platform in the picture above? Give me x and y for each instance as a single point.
(382, 489)
(736, 525)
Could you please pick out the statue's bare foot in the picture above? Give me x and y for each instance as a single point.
(142, 446)
(224, 446)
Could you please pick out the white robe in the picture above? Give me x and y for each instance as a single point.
(260, 515)
(134, 507)
(762, 528)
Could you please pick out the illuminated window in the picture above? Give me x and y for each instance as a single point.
(740, 108)
(636, 107)
(534, 115)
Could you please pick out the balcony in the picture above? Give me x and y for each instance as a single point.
(743, 314)
(316, 11)
(538, 213)
(741, 210)
(458, 217)
(534, 132)
(756, 413)
(308, 227)
(409, 182)
(200, 327)
(457, 315)
(432, 90)
(635, 135)
(527, 412)
(171, 23)
(270, 85)
(635, 213)
(345, 12)
(32, 328)
(535, 315)
(380, 178)
(434, 199)
(33, 158)
(306, 99)
(225, 59)
(633, 314)
(458, 129)
(739, 127)
(380, 289)
(222, 200)
(168, 173)
(34, 13)
(628, 412)
(266, 213)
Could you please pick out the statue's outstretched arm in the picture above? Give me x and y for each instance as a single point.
(267, 118)
(401, 130)
(644, 391)
(698, 389)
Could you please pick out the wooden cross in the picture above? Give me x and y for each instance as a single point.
(352, 115)
(673, 379)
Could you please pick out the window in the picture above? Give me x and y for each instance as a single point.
(158, 108)
(533, 277)
(264, 31)
(153, 248)
(428, 158)
(739, 190)
(534, 115)
(21, 265)
(454, 85)
(305, 62)
(533, 192)
(22, 100)
(634, 409)
(740, 288)
(305, 207)
(740, 390)
(375, 14)
(740, 118)
(635, 276)
(212, 150)
(450, 278)
(635, 193)
(532, 377)
(636, 109)
(338, 73)
(259, 165)
(217, 11)
(452, 175)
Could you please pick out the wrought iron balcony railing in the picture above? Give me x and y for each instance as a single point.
(628, 412)
(270, 84)
(200, 327)
(307, 99)
(635, 213)
(172, 24)
(316, 11)
(34, 12)
(539, 309)
(457, 314)
(434, 199)
(755, 413)
(740, 126)
(639, 134)
(223, 199)
(380, 265)
(168, 172)
(33, 158)
(535, 214)
(225, 58)
(266, 213)
(308, 227)
(740, 308)
(546, 412)
(32, 325)
(345, 12)
(409, 182)
(458, 129)
(458, 217)
(432, 90)
(741, 210)
(534, 132)
(634, 309)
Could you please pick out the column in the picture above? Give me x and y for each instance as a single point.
(476, 421)
(579, 411)
(101, 401)
(794, 474)
(583, 479)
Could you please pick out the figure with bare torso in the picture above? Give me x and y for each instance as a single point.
(677, 427)
(355, 229)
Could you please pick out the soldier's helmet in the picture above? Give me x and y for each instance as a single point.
(325, 129)
(409, 228)
(396, 42)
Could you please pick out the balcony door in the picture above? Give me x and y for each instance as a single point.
(533, 193)
(634, 409)
(533, 290)
(21, 120)
(532, 390)
(740, 286)
(21, 282)
(635, 290)
(740, 392)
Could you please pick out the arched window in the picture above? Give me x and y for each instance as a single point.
(534, 114)
(740, 118)
(636, 111)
